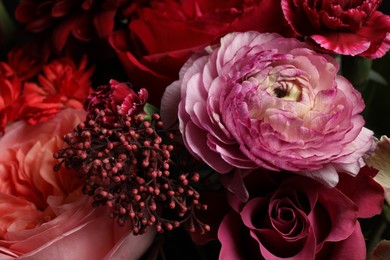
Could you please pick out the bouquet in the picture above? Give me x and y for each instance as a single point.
(194, 129)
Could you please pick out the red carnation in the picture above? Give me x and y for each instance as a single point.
(343, 27)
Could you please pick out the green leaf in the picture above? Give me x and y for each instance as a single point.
(7, 27)
(377, 98)
(378, 78)
(356, 70)
(150, 109)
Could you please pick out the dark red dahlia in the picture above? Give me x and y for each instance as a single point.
(120, 153)
(85, 19)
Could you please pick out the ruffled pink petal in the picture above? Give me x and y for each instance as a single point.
(195, 139)
(327, 175)
(169, 105)
(342, 43)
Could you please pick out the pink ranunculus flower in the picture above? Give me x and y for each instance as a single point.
(288, 216)
(343, 27)
(43, 214)
(261, 100)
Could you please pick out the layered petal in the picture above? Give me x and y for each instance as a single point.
(261, 100)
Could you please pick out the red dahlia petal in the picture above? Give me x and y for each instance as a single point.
(40, 24)
(61, 8)
(61, 33)
(104, 23)
(23, 11)
(82, 29)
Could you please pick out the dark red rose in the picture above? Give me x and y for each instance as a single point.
(157, 44)
(291, 216)
(352, 27)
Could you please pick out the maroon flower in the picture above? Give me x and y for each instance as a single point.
(126, 164)
(117, 96)
(84, 19)
(165, 35)
(290, 216)
(352, 27)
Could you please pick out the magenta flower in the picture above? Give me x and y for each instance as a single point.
(343, 27)
(261, 100)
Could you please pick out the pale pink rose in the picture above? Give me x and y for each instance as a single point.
(43, 214)
(261, 100)
(380, 160)
(381, 251)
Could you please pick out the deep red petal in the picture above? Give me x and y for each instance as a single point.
(23, 11)
(366, 193)
(376, 29)
(354, 247)
(104, 23)
(61, 8)
(297, 18)
(61, 33)
(158, 36)
(82, 28)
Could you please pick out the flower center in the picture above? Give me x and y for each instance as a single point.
(287, 90)
(282, 81)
